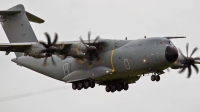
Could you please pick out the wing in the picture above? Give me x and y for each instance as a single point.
(68, 49)
(14, 47)
(175, 37)
(21, 47)
(67, 43)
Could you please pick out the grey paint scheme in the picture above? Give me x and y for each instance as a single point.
(135, 51)
(122, 60)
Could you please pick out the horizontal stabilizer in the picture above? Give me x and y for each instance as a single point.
(34, 18)
(9, 12)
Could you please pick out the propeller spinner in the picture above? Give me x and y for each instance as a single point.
(190, 61)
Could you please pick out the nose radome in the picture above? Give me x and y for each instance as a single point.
(171, 54)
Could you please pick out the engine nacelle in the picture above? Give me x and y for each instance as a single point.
(177, 66)
(76, 50)
(34, 51)
(178, 63)
(36, 55)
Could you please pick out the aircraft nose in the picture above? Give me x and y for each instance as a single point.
(171, 54)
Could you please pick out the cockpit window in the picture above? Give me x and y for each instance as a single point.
(158, 43)
(171, 43)
(167, 42)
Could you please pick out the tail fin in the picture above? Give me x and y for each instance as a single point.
(15, 22)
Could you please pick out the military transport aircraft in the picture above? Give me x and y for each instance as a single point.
(112, 63)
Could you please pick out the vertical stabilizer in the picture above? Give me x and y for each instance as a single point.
(16, 25)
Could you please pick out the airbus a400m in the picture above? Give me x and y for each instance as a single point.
(112, 63)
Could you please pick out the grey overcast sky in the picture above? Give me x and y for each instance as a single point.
(114, 19)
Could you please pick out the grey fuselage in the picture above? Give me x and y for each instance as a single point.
(128, 59)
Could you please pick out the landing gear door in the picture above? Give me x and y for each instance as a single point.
(66, 69)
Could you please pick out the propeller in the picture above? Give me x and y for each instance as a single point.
(190, 61)
(50, 48)
(91, 50)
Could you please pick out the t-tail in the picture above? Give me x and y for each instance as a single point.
(15, 22)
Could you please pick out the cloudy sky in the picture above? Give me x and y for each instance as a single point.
(23, 90)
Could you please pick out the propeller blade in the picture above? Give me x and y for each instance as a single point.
(189, 71)
(83, 42)
(190, 61)
(197, 58)
(96, 54)
(182, 70)
(48, 39)
(91, 51)
(53, 61)
(90, 57)
(45, 60)
(89, 36)
(182, 54)
(44, 44)
(97, 38)
(50, 48)
(55, 39)
(62, 47)
(187, 46)
(196, 62)
(194, 50)
(196, 68)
